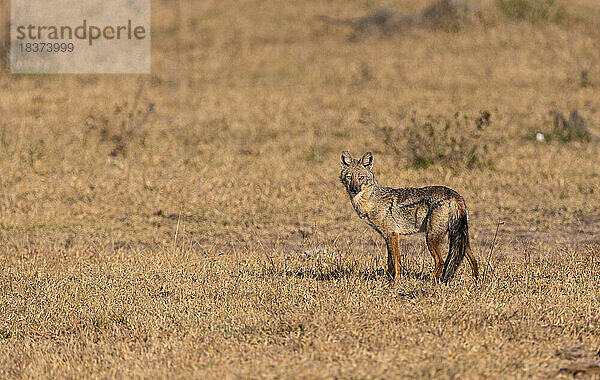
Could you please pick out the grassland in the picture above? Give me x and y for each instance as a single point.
(214, 240)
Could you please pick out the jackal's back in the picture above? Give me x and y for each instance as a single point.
(406, 210)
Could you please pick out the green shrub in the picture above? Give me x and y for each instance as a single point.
(533, 11)
(455, 142)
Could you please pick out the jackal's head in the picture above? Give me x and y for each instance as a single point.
(357, 174)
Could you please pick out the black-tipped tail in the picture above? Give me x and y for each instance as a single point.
(458, 231)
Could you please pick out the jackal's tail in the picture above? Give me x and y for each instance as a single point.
(458, 231)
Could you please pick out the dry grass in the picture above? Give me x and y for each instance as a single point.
(176, 247)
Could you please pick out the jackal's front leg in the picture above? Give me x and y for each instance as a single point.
(393, 249)
(390, 266)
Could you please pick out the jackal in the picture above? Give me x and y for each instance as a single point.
(435, 210)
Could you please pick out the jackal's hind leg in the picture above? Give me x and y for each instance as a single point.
(472, 261)
(433, 244)
(437, 230)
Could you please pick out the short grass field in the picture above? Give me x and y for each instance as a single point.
(190, 223)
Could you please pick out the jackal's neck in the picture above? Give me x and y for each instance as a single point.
(364, 200)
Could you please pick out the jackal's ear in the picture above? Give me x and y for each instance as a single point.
(346, 158)
(367, 160)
